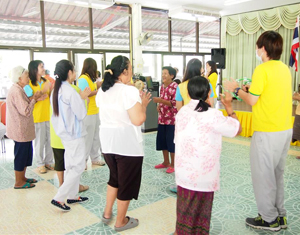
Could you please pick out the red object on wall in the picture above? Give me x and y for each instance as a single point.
(3, 112)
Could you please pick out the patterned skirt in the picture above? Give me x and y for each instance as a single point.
(296, 128)
(193, 211)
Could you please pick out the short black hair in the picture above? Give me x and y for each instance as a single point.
(171, 71)
(272, 42)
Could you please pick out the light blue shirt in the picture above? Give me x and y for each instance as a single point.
(178, 96)
(82, 83)
(28, 90)
(69, 124)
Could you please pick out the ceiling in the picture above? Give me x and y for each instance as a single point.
(67, 26)
(213, 5)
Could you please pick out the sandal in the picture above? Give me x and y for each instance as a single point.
(26, 185)
(106, 220)
(99, 163)
(49, 167)
(31, 181)
(132, 223)
(80, 199)
(62, 207)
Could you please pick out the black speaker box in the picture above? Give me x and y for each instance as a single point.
(219, 56)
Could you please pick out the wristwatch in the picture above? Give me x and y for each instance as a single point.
(236, 91)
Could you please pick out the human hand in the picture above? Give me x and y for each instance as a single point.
(99, 84)
(156, 100)
(231, 85)
(246, 87)
(226, 99)
(145, 96)
(85, 93)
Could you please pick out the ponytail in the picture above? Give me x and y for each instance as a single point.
(113, 71)
(62, 69)
(198, 88)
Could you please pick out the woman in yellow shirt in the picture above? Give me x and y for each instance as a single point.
(41, 116)
(91, 122)
(212, 76)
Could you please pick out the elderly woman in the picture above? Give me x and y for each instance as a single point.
(20, 126)
(122, 112)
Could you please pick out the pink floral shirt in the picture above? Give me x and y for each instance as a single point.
(198, 144)
(167, 114)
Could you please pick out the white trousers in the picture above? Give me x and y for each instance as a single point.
(41, 144)
(92, 139)
(74, 165)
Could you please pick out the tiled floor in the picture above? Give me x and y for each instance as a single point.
(30, 212)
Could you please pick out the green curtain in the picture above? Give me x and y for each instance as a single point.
(239, 34)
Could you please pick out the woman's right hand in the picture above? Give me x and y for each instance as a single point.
(226, 99)
(85, 93)
(39, 96)
(145, 97)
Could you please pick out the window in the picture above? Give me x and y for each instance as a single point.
(50, 59)
(152, 66)
(67, 26)
(111, 28)
(155, 23)
(110, 56)
(8, 60)
(80, 57)
(183, 36)
(174, 61)
(209, 36)
(20, 23)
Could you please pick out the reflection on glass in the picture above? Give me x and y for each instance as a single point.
(20, 23)
(67, 26)
(111, 31)
(8, 60)
(183, 36)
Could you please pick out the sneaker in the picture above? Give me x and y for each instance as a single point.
(173, 188)
(259, 223)
(42, 169)
(79, 200)
(62, 207)
(282, 222)
(99, 163)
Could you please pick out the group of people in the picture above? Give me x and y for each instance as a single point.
(189, 127)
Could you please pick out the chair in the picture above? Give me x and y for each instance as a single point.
(2, 129)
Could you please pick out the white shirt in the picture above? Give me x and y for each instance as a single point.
(198, 144)
(117, 134)
(69, 124)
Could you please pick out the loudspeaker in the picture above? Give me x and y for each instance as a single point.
(219, 56)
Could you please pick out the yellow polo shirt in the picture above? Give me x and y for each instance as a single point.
(272, 82)
(41, 111)
(213, 78)
(92, 107)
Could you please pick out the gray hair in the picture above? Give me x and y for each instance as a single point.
(16, 73)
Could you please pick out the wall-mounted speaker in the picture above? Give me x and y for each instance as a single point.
(219, 56)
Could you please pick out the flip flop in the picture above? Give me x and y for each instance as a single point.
(26, 185)
(132, 223)
(31, 181)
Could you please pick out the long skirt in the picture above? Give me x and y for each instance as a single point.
(193, 211)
